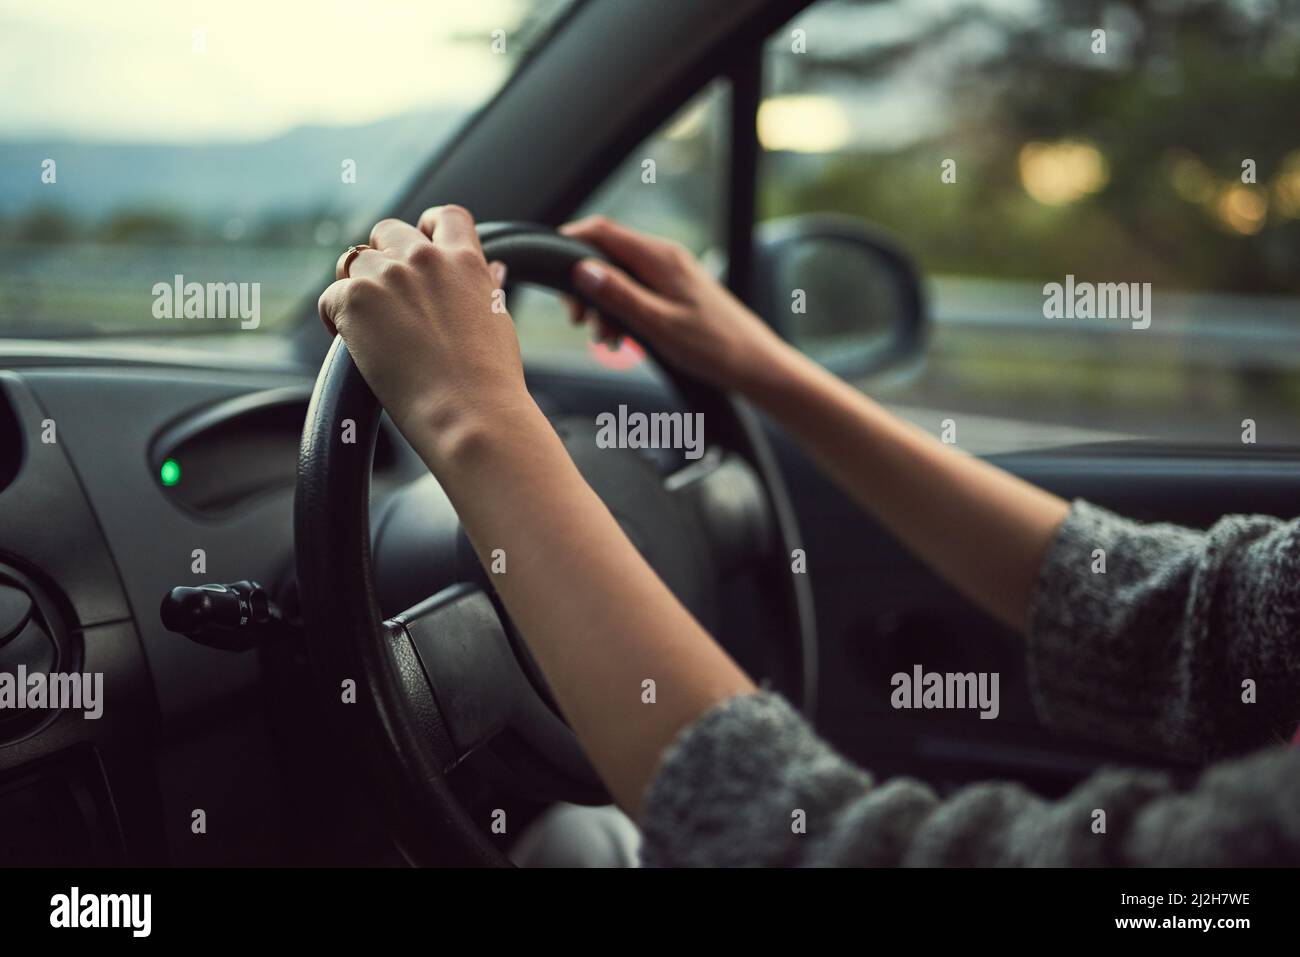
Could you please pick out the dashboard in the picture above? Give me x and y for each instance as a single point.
(117, 483)
(124, 473)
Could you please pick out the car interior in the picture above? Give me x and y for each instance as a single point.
(175, 516)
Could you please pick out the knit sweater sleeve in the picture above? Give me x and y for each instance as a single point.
(750, 784)
(1181, 641)
(1166, 639)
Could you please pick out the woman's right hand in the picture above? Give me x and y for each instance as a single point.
(676, 307)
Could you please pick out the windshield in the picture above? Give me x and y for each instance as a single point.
(178, 168)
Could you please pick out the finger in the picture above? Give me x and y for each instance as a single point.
(578, 311)
(449, 226)
(498, 270)
(395, 236)
(329, 304)
(364, 263)
(603, 332)
(427, 220)
(615, 292)
(638, 251)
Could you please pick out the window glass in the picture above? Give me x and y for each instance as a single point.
(233, 144)
(1018, 147)
(671, 185)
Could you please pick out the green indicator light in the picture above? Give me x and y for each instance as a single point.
(170, 473)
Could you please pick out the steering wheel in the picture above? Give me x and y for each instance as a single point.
(412, 696)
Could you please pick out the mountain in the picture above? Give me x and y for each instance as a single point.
(297, 170)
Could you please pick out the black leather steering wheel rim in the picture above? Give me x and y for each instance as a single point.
(395, 729)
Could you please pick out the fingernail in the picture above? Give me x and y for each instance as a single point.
(590, 276)
(498, 270)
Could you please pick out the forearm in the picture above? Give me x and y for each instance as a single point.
(594, 614)
(982, 529)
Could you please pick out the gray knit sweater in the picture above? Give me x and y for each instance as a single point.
(1157, 654)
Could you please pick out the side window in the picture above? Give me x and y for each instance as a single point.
(1104, 201)
(671, 185)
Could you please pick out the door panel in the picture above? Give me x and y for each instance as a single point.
(881, 611)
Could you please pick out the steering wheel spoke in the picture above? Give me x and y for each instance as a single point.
(726, 497)
(466, 659)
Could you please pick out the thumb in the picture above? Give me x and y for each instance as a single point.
(615, 292)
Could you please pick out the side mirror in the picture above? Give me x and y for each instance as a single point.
(840, 291)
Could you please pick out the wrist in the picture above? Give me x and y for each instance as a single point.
(771, 365)
(451, 435)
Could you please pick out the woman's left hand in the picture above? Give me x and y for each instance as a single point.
(426, 324)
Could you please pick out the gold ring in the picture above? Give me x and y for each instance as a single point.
(352, 253)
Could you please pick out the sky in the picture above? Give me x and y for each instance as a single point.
(187, 70)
